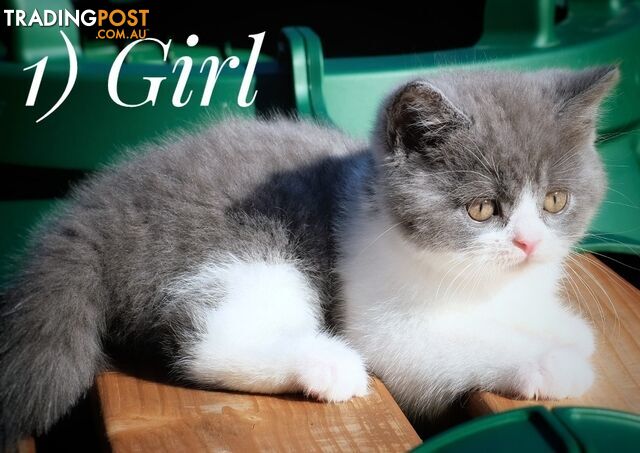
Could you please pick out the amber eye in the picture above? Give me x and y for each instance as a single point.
(555, 201)
(482, 209)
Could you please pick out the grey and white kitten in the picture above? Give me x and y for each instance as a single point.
(282, 256)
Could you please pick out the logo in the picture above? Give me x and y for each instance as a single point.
(129, 25)
(114, 24)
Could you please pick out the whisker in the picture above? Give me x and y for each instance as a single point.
(607, 257)
(628, 248)
(446, 293)
(603, 138)
(614, 277)
(458, 262)
(621, 193)
(377, 238)
(586, 303)
(575, 288)
(618, 203)
(592, 277)
(611, 304)
(606, 237)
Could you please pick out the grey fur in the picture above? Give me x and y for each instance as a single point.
(97, 273)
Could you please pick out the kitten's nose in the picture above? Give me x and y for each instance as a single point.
(527, 245)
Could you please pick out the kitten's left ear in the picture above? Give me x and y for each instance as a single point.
(580, 93)
(419, 117)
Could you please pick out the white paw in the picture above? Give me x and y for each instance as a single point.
(329, 370)
(560, 373)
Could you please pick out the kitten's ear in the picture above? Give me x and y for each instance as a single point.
(419, 116)
(580, 93)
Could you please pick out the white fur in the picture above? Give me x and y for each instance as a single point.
(266, 333)
(433, 325)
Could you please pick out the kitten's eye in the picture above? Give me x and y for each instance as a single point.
(481, 210)
(555, 201)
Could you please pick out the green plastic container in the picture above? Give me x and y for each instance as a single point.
(89, 129)
(602, 429)
(538, 430)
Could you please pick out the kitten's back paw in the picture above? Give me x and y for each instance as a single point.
(560, 373)
(329, 370)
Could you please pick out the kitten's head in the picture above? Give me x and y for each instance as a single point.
(494, 166)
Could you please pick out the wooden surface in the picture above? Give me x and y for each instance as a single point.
(144, 416)
(613, 306)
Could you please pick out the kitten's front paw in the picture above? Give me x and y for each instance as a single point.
(331, 371)
(560, 373)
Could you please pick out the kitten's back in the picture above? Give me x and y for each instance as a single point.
(97, 270)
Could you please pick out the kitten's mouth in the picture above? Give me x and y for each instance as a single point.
(519, 263)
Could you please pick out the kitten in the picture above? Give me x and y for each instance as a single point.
(283, 256)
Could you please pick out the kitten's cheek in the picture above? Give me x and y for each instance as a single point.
(553, 250)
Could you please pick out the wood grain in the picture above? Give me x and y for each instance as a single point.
(141, 416)
(613, 306)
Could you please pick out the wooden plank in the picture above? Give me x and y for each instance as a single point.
(141, 415)
(613, 305)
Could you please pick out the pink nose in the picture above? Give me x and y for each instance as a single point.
(528, 246)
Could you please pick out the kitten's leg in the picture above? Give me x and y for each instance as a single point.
(264, 334)
(545, 350)
(433, 362)
(561, 368)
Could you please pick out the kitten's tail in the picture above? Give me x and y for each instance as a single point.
(51, 323)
